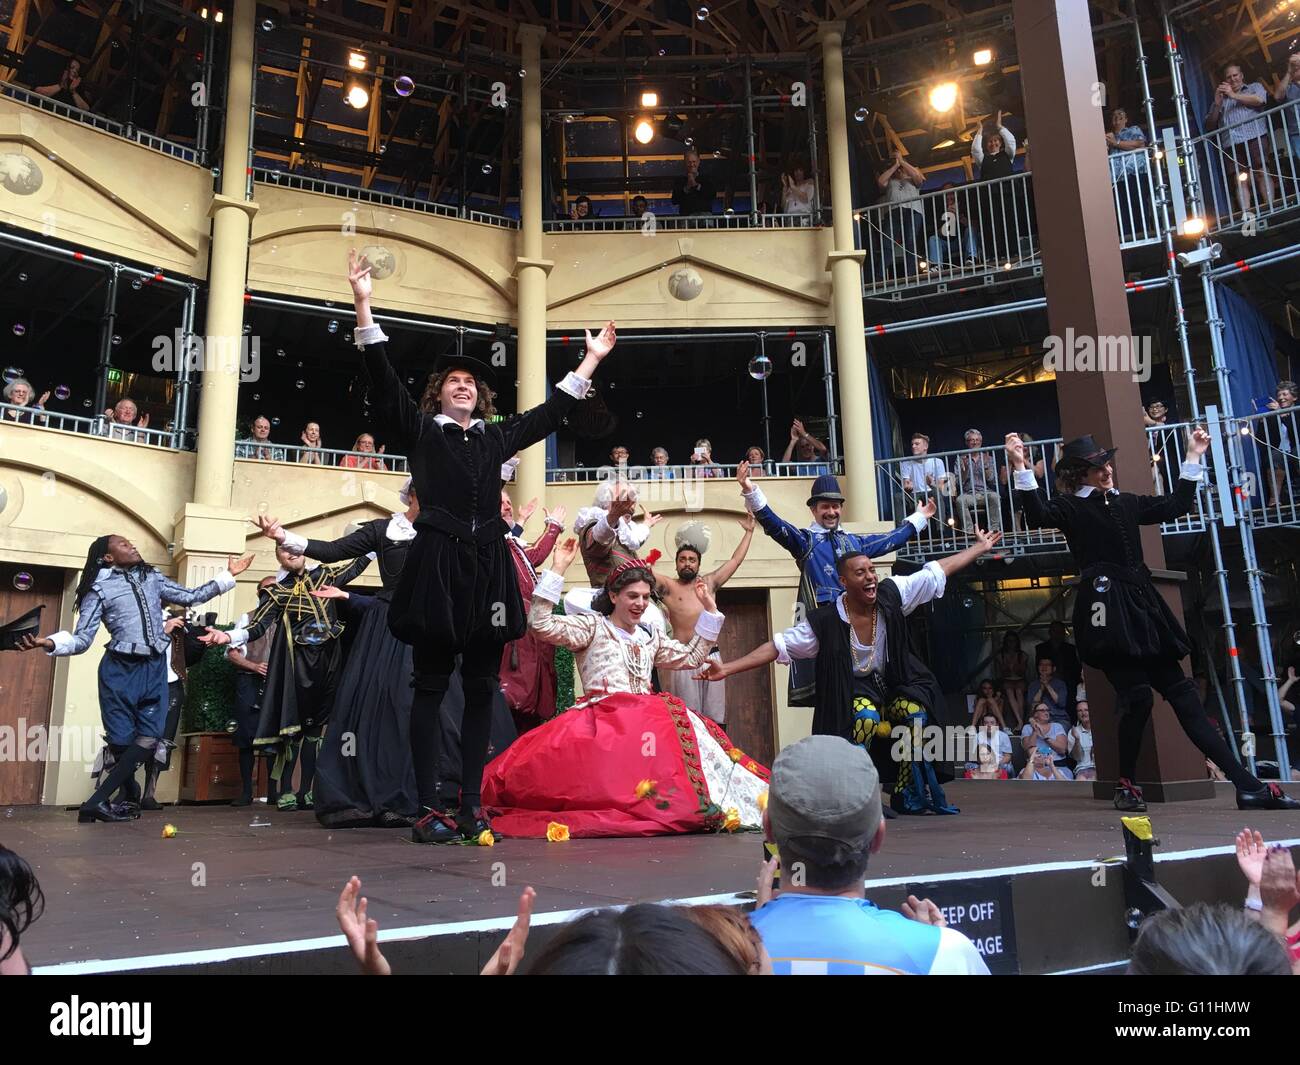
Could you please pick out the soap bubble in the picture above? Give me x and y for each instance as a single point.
(19, 329)
(404, 86)
(314, 633)
(701, 13)
(861, 114)
(1101, 585)
(137, 284)
(300, 384)
(487, 168)
(760, 367)
(333, 326)
(62, 392)
(23, 581)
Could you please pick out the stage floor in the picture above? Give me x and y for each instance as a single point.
(117, 892)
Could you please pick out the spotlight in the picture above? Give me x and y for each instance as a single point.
(983, 57)
(1194, 227)
(649, 99)
(943, 97)
(1243, 176)
(356, 61)
(644, 131)
(219, 17)
(358, 95)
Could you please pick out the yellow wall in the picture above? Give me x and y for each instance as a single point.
(102, 193)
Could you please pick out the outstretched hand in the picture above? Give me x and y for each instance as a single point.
(1279, 888)
(987, 540)
(705, 595)
(622, 505)
(1016, 451)
(558, 514)
(923, 911)
(330, 592)
(238, 565)
(742, 477)
(564, 555)
(765, 892)
(511, 952)
(602, 343)
(1198, 443)
(712, 670)
(928, 508)
(214, 638)
(359, 275)
(270, 526)
(1250, 855)
(361, 932)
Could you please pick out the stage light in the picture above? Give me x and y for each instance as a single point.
(218, 17)
(1194, 227)
(947, 142)
(356, 61)
(983, 57)
(649, 99)
(943, 97)
(358, 96)
(644, 132)
(1243, 176)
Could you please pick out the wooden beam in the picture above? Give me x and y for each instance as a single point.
(17, 35)
(374, 132)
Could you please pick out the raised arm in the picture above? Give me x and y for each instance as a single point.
(878, 544)
(1040, 513)
(670, 654)
(984, 541)
(223, 582)
(341, 576)
(797, 642)
(524, 430)
(1156, 510)
(356, 544)
(394, 404)
(724, 573)
(546, 542)
(793, 540)
(573, 631)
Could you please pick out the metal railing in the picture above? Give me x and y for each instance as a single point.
(670, 475)
(651, 223)
(97, 426)
(1270, 444)
(338, 189)
(359, 461)
(184, 152)
(1250, 171)
(1134, 191)
(487, 218)
(973, 487)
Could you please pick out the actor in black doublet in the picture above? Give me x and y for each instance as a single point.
(457, 593)
(1122, 625)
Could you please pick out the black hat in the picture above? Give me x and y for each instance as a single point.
(27, 625)
(826, 488)
(1083, 453)
(478, 367)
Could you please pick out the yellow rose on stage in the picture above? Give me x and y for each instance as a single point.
(646, 787)
(736, 754)
(486, 839)
(731, 821)
(557, 833)
(169, 831)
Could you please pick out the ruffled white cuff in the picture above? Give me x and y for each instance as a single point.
(225, 580)
(1191, 471)
(709, 625)
(755, 500)
(294, 542)
(363, 335)
(63, 644)
(1025, 480)
(550, 586)
(574, 385)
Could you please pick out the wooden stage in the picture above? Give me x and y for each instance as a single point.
(252, 890)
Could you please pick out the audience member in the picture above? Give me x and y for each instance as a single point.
(757, 462)
(1205, 940)
(923, 477)
(659, 469)
(1236, 111)
(257, 445)
(1080, 746)
(1156, 413)
(951, 241)
(693, 193)
(1043, 736)
(1288, 92)
(368, 459)
(1012, 666)
(994, 158)
(989, 731)
(1272, 890)
(1127, 169)
(986, 765)
(900, 187)
(66, 89)
(988, 700)
(702, 457)
(618, 456)
(798, 190)
(977, 479)
(1064, 657)
(1041, 766)
(640, 207)
(19, 393)
(731, 928)
(806, 448)
(1277, 433)
(121, 417)
(311, 452)
(580, 209)
(823, 814)
(1050, 689)
(21, 904)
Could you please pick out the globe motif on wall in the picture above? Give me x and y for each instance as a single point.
(383, 262)
(20, 174)
(686, 283)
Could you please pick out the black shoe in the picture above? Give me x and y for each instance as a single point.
(1128, 797)
(1269, 797)
(128, 807)
(887, 813)
(436, 826)
(101, 812)
(243, 800)
(473, 822)
(150, 804)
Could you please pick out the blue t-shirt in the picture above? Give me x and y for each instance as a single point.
(829, 935)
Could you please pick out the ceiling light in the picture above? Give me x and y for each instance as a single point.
(983, 57)
(358, 96)
(943, 97)
(649, 99)
(644, 132)
(356, 61)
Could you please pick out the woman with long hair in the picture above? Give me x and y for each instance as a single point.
(1012, 664)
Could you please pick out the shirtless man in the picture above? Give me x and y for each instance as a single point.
(683, 606)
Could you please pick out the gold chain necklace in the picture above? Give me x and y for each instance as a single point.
(859, 666)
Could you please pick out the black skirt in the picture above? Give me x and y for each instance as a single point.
(364, 775)
(456, 592)
(299, 691)
(1119, 618)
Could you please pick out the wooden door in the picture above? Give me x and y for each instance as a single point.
(26, 681)
(750, 721)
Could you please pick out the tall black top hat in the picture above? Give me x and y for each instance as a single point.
(1084, 453)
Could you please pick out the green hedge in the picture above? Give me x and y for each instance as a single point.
(209, 693)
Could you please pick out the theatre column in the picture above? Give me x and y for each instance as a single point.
(845, 265)
(531, 269)
(1084, 277)
(207, 530)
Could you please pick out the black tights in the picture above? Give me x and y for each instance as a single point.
(1133, 684)
(124, 769)
(479, 669)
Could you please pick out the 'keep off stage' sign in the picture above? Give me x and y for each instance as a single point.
(980, 910)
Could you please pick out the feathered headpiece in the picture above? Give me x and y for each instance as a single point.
(694, 535)
(631, 564)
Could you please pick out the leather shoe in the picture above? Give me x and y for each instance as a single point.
(473, 823)
(1269, 797)
(100, 812)
(1128, 797)
(436, 826)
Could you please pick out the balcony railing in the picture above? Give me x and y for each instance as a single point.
(186, 152)
(1250, 171)
(286, 180)
(98, 426)
(1134, 189)
(666, 476)
(359, 461)
(655, 222)
(972, 487)
(1270, 444)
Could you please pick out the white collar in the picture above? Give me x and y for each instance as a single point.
(281, 573)
(1083, 491)
(444, 420)
(400, 527)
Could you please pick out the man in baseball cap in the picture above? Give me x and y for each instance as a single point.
(823, 814)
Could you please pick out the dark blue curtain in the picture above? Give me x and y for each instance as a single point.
(1199, 82)
(884, 428)
(1247, 351)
